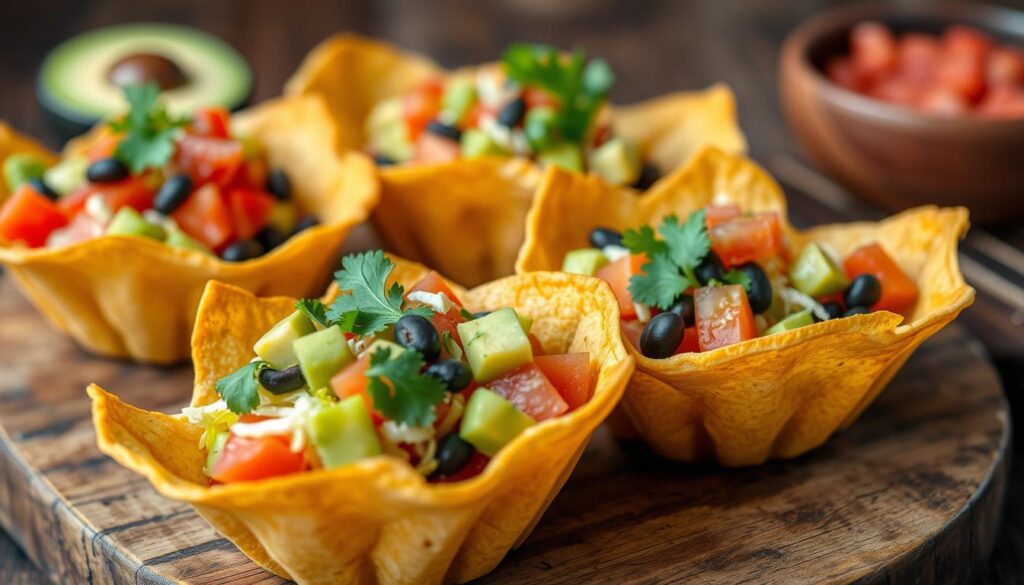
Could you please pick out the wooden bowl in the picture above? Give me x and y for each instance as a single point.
(895, 156)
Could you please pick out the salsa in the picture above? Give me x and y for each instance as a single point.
(189, 183)
(724, 276)
(385, 371)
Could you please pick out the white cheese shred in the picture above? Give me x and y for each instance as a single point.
(439, 301)
(795, 297)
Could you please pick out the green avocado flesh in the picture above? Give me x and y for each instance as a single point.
(616, 161)
(21, 167)
(490, 422)
(564, 155)
(495, 344)
(179, 239)
(275, 347)
(75, 89)
(343, 432)
(815, 274)
(459, 96)
(128, 222)
(67, 175)
(387, 133)
(541, 127)
(584, 261)
(476, 143)
(794, 321)
(321, 355)
(218, 444)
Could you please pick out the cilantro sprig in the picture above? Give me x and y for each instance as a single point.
(240, 390)
(399, 390)
(149, 130)
(580, 86)
(315, 311)
(369, 305)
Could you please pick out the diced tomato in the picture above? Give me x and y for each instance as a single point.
(719, 214)
(873, 49)
(433, 283)
(476, 465)
(250, 210)
(899, 292)
(249, 459)
(535, 344)
(252, 175)
(253, 418)
(842, 72)
(131, 192)
(723, 316)
(748, 238)
(569, 374)
(537, 97)
(1003, 102)
(209, 160)
(205, 217)
(352, 381)
(431, 148)
(29, 217)
(965, 40)
(1005, 66)
(529, 391)
(690, 342)
(212, 122)
(449, 323)
(963, 73)
(939, 100)
(422, 105)
(617, 275)
(917, 57)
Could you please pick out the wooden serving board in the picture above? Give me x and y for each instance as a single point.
(911, 493)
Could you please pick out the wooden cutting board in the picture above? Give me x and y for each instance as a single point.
(911, 493)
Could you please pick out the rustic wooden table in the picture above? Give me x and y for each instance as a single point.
(654, 46)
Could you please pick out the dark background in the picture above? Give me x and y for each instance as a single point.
(653, 46)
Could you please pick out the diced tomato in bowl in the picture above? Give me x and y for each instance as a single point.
(617, 275)
(748, 238)
(723, 316)
(531, 392)
(209, 160)
(250, 459)
(569, 374)
(250, 210)
(206, 217)
(29, 217)
(899, 292)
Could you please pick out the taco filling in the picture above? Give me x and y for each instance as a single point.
(724, 276)
(537, 103)
(382, 371)
(189, 183)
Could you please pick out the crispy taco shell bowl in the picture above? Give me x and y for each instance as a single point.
(377, 520)
(776, 396)
(135, 298)
(465, 218)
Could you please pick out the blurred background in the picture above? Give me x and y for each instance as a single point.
(654, 46)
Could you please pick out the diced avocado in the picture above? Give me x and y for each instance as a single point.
(21, 167)
(584, 261)
(218, 444)
(616, 161)
(477, 143)
(794, 321)
(343, 433)
(815, 274)
(275, 347)
(495, 344)
(321, 355)
(179, 239)
(67, 175)
(458, 98)
(387, 131)
(564, 154)
(490, 422)
(128, 222)
(541, 127)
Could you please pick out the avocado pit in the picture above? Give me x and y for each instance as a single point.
(140, 68)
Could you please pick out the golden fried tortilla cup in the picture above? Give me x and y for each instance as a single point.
(377, 520)
(774, 396)
(136, 298)
(465, 218)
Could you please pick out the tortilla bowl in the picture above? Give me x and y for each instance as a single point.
(774, 396)
(473, 210)
(136, 298)
(377, 520)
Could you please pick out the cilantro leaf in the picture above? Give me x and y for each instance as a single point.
(368, 304)
(149, 131)
(314, 310)
(239, 388)
(737, 277)
(643, 241)
(688, 243)
(660, 283)
(399, 391)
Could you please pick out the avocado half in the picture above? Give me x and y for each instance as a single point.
(80, 81)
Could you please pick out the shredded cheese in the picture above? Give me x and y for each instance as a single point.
(293, 423)
(613, 253)
(794, 297)
(439, 301)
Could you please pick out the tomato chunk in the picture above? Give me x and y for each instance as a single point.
(747, 238)
(211, 121)
(130, 192)
(873, 49)
(690, 342)
(719, 214)
(249, 459)
(422, 105)
(205, 217)
(29, 217)
(352, 381)
(250, 210)
(899, 292)
(529, 390)
(617, 275)
(569, 374)
(723, 316)
(209, 160)
(476, 465)
(433, 283)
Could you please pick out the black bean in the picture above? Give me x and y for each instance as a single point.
(856, 311)
(710, 268)
(444, 130)
(834, 310)
(864, 291)
(453, 453)
(418, 334)
(279, 184)
(305, 223)
(383, 161)
(172, 194)
(683, 306)
(270, 237)
(511, 114)
(106, 170)
(454, 374)
(648, 176)
(281, 381)
(602, 236)
(662, 335)
(42, 188)
(759, 293)
(242, 250)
